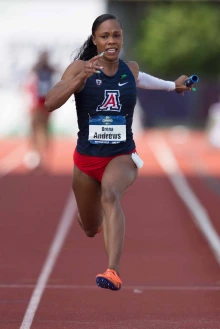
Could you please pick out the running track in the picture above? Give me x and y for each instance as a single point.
(171, 258)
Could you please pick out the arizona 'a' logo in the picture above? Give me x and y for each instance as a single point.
(111, 101)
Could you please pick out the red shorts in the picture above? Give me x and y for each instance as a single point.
(93, 166)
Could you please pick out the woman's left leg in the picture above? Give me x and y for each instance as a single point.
(119, 174)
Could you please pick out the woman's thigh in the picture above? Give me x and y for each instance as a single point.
(88, 198)
(119, 174)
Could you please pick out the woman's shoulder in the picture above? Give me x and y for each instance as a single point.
(134, 67)
(132, 63)
(77, 63)
(73, 69)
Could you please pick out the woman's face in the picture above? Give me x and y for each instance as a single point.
(109, 38)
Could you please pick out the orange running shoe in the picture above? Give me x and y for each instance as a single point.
(109, 280)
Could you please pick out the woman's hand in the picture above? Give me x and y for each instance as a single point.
(180, 87)
(91, 67)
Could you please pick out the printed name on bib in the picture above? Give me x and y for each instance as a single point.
(107, 129)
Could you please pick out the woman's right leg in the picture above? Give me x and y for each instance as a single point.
(87, 192)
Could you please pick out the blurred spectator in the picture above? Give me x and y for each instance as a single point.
(213, 124)
(39, 82)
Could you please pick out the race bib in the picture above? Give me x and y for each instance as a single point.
(107, 129)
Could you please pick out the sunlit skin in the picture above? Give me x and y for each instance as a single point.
(99, 203)
(109, 36)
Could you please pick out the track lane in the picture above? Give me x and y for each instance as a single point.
(164, 252)
(201, 163)
(163, 249)
(30, 208)
(9, 145)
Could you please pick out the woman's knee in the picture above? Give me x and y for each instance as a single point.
(90, 230)
(91, 233)
(109, 196)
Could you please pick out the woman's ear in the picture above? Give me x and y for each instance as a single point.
(93, 40)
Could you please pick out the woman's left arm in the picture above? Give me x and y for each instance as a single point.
(147, 81)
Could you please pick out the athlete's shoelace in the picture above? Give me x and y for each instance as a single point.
(113, 274)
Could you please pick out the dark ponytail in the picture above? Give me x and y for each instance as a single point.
(88, 49)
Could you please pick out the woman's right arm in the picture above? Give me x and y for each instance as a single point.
(71, 82)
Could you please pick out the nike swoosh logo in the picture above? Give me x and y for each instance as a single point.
(122, 84)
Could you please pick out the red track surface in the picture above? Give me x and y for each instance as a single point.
(171, 279)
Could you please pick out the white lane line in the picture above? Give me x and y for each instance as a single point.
(11, 161)
(94, 287)
(166, 159)
(59, 238)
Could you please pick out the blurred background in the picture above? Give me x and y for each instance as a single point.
(166, 38)
(154, 37)
(177, 137)
(27, 28)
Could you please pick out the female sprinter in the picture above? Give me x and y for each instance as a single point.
(105, 158)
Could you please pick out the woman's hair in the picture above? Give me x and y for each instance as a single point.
(88, 49)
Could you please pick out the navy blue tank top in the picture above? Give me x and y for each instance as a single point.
(111, 98)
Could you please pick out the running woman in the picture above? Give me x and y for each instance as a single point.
(105, 159)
